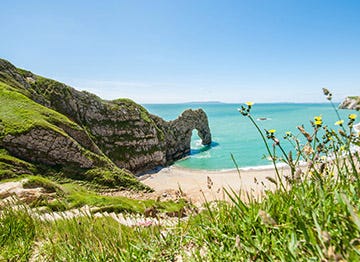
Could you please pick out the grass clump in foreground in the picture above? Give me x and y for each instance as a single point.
(313, 216)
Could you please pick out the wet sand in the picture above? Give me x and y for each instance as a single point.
(201, 185)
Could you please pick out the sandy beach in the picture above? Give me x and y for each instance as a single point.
(201, 185)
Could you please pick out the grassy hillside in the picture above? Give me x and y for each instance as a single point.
(20, 115)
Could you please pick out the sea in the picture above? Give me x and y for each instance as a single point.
(236, 141)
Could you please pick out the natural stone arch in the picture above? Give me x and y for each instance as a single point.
(179, 132)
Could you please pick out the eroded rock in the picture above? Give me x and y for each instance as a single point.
(351, 102)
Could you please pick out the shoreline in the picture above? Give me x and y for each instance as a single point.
(199, 186)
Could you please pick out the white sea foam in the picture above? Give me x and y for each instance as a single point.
(202, 155)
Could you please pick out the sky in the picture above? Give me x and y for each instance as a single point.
(162, 51)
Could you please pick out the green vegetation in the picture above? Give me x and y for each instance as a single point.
(38, 181)
(312, 216)
(67, 194)
(77, 196)
(19, 114)
(17, 235)
(113, 242)
(114, 178)
(11, 167)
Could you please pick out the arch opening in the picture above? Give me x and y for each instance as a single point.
(196, 143)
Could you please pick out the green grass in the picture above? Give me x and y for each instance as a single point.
(309, 222)
(113, 242)
(38, 181)
(69, 195)
(77, 196)
(17, 235)
(11, 167)
(20, 114)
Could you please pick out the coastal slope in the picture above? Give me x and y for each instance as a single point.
(47, 125)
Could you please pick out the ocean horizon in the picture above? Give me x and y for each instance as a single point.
(234, 134)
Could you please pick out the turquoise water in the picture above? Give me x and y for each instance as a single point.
(233, 133)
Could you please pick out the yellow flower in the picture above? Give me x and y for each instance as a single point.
(318, 122)
(352, 116)
(339, 123)
(249, 103)
(272, 131)
(318, 118)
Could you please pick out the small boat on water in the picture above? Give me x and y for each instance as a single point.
(262, 119)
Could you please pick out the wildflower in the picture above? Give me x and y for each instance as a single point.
(244, 111)
(318, 118)
(339, 123)
(352, 116)
(272, 131)
(270, 134)
(287, 135)
(318, 121)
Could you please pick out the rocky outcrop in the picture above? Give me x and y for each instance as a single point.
(351, 102)
(119, 131)
(48, 147)
(178, 133)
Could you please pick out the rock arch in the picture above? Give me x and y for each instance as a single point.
(178, 133)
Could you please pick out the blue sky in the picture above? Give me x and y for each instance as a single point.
(158, 51)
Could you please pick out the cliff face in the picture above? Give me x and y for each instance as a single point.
(351, 102)
(178, 133)
(81, 130)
